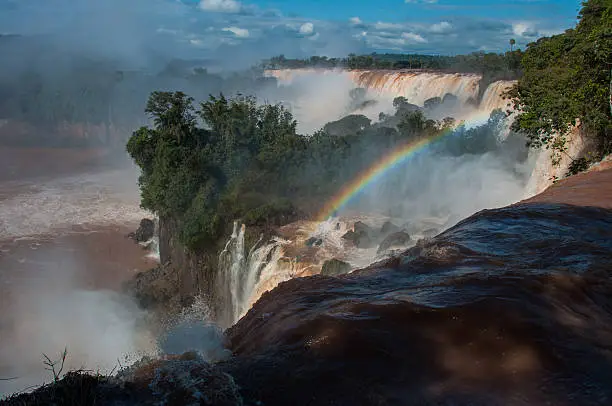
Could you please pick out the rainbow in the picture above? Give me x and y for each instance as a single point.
(392, 160)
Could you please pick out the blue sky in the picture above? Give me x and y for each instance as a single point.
(248, 30)
(400, 10)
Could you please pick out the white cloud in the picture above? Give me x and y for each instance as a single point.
(237, 31)
(441, 27)
(355, 21)
(307, 28)
(387, 26)
(163, 30)
(221, 6)
(524, 28)
(413, 38)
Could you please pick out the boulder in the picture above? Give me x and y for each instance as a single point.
(313, 242)
(399, 238)
(361, 236)
(145, 231)
(335, 267)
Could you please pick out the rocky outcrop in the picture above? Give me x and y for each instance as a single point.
(179, 380)
(195, 271)
(181, 276)
(362, 235)
(145, 231)
(335, 267)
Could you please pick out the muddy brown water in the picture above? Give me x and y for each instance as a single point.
(64, 218)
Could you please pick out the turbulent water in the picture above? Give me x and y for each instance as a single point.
(509, 307)
(324, 93)
(63, 257)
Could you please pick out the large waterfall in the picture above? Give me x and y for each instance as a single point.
(416, 87)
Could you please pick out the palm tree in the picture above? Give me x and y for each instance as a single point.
(512, 42)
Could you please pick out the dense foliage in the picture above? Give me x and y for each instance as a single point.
(248, 162)
(567, 80)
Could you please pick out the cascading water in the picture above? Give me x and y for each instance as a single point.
(493, 97)
(383, 87)
(418, 87)
(240, 274)
(231, 261)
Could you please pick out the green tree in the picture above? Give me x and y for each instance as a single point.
(566, 81)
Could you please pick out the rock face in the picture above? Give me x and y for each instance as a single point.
(181, 276)
(335, 267)
(398, 239)
(145, 231)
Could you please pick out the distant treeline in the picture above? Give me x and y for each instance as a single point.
(502, 66)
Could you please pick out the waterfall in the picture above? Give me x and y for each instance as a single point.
(240, 274)
(333, 86)
(493, 96)
(417, 87)
(231, 262)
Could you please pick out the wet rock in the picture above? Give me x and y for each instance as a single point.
(314, 242)
(156, 289)
(388, 228)
(145, 231)
(194, 382)
(399, 238)
(335, 267)
(361, 227)
(361, 237)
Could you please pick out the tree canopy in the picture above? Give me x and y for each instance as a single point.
(567, 79)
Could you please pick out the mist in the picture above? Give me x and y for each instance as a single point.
(53, 310)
